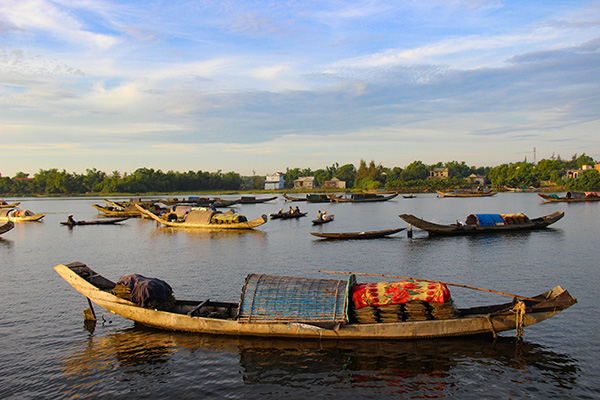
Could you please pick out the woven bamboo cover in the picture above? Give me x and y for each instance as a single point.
(267, 298)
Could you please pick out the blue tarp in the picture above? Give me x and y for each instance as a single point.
(489, 219)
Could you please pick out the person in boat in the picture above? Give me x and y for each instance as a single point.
(71, 220)
(291, 211)
(297, 211)
(325, 216)
(320, 215)
(569, 195)
(280, 211)
(211, 207)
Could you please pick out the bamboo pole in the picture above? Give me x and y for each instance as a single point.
(435, 281)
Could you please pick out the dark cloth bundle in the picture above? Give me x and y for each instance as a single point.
(146, 292)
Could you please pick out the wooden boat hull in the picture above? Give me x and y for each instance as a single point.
(480, 320)
(176, 224)
(101, 222)
(453, 194)
(439, 229)
(358, 235)
(7, 215)
(117, 214)
(11, 205)
(321, 221)
(252, 200)
(6, 227)
(287, 215)
(340, 199)
(551, 199)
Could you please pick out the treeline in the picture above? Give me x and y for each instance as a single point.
(368, 176)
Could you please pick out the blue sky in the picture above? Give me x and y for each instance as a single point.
(258, 86)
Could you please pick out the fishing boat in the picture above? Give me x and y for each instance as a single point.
(358, 235)
(117, 212)
(361, 198)
(111, 221)
(287, 215)
(19, 215)
(254, 200)
(320, 309)
(484, 223)
(467, 193)
(310, 198)
(205, 218)
(4, 204)
(571, 197)
(6, 227)
(321, 221)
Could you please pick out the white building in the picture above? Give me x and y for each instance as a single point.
(274, 181)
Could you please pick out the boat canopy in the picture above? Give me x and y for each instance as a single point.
(267, 298)
(485, 219)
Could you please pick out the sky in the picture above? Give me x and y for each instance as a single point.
(256, 87)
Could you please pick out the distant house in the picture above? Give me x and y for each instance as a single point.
(576, 173)
(480, 179)
(274, 181)
(305, 182)
(439, 173)
(334, 183)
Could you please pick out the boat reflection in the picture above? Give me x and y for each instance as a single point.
(428, 366)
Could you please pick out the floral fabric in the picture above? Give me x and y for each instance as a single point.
(387, 293)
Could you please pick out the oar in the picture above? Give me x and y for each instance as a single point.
(434, 281)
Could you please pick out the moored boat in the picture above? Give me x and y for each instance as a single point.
(206, 219)
(357, 235)
(4, 204)
(19, 215)
(287, 307)
(6, 227)
(361, 198)
(117, 212)
(310, 198)
(484, 223)
(466, 193)
(254, 200)
(571, 197)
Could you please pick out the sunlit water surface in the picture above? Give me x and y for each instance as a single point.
(48, 352)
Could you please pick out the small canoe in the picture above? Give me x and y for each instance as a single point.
(317, 320)
(484, 223)
(100, 222)
(571, 197)
(6, 227)
(322, 221)
(206, 219)
(287, 215)
(4, 204)
(409, 196)
(358, 235)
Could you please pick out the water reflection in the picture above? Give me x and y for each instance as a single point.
(207, 234)
(438, 368)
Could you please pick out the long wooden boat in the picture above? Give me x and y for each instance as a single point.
(466, 193)
(323, 221)
(254, 200)
(571, 197)
(287, 215)
(310, 198)
(206, 219)
(361, 198)
(200, 202)
(237, 319)
(117, 212)
(19, 215)
(485, 223)
(358, 235)
(97, 222)
(6, 227)
(4, 204)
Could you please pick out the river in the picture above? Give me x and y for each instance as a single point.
(48, 352)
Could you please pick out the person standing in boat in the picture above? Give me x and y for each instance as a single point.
(71, 220)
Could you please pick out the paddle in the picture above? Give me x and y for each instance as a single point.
(434, 281)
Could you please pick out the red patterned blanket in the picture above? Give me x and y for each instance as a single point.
(386, 293)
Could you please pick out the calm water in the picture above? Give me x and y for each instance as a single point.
(47, 352)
